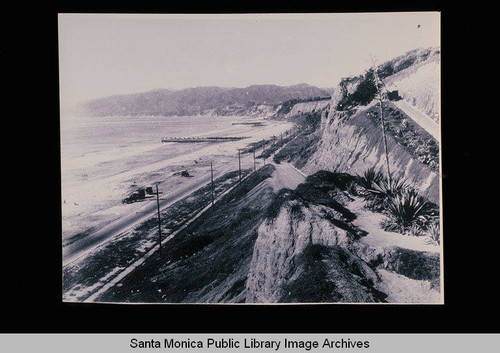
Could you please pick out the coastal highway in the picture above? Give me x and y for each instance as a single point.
(147, 210)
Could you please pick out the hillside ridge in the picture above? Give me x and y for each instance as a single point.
(207, 100)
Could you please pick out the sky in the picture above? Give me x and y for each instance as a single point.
(107, 54)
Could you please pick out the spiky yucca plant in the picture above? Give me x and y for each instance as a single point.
(385, 188)
(370, 177)
(409, 209)
(378, 188)
(434, 232)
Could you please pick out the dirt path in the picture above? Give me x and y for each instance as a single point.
(420, 118)
(287, 176)
(377, 237)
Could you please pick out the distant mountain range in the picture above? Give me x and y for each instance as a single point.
(200, 100)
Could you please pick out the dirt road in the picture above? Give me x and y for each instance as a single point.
(287, 176)
(420, 118)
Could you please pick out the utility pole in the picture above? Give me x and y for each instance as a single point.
(212, 180)
(254, 168)
(239, 163)
(159, 219)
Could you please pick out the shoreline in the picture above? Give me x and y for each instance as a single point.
(95, 201)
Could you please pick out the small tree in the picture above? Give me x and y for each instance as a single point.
(366, 89)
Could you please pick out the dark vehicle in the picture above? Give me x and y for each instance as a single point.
(139, 195)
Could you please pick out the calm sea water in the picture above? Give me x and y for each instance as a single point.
(107, 145)
(89, 135)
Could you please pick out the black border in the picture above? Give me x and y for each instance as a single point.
(31, 265)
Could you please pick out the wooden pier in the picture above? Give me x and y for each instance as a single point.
(252, 123)
(203, 139)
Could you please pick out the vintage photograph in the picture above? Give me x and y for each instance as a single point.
(251, 158)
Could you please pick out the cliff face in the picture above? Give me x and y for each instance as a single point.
(302, 256)
(319, 244)
(354, 144)
(302, 108)
(310, 250)
(419, 84)
(352, 140)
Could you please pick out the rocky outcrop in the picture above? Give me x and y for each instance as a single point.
(303, 249)
(288, 110)
(413, 264)
(302, 256)
(309, 250)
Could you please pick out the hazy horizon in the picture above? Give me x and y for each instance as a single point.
(112, 54)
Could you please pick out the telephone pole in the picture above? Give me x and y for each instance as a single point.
(239, 163)
(212, 181)
(159, 219)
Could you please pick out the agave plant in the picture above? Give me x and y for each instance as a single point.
(377, 195)
(408, 209)
(384, 188)
(415, 230)
(370, 177)
(434, 232)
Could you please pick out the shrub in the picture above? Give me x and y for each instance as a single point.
(363, 94)
(296, 211)
(274, 207)
(366, 90)
(386, 70)
(393, 96)
(434, 232)
(408, 210)
(382, 190)
(370, 177)
(415, 230)
(377, 189)
(404, 64)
